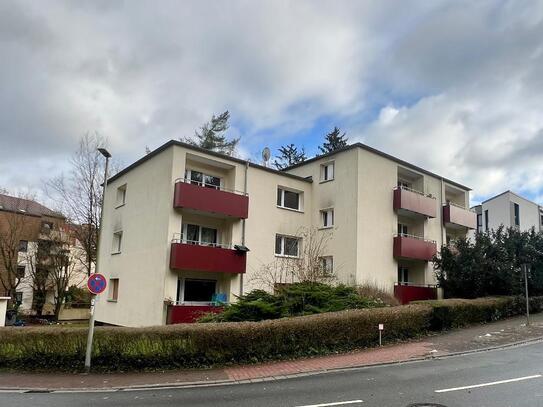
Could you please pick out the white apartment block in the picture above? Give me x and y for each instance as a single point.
(185, 227)
(509, 210)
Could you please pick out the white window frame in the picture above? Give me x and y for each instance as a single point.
(402, 273)
(282, 200)
(121, 196)
(327, 215)
(199, 241)
(111, 291)
(188, 175)
(325, 174)
(182, 291)
(327, 264)
(283, 237)
(401, 227)
(117, 243)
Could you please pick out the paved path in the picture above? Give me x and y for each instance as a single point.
(470, 339)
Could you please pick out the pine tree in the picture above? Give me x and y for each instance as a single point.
(333, 141)
(212, 135)
(290, 155)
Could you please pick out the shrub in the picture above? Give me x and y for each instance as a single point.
(377, 294)
(293, 300)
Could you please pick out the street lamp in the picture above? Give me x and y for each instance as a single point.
(90, 336)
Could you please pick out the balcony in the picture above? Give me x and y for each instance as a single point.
(186, 314)
(209, 199)
(213, 258)
(455, 216)
(414, 247)
(414, 202)
(405, 292)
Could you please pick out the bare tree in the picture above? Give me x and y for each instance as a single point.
(78, 193)
(37, 270)
(308, 266)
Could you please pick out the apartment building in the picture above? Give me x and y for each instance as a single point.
(29, 234)
(509, 210)
(186, 228)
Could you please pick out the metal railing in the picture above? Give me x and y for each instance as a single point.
(459, 206)
(414, 237)
(200, 303)
(416, 285)
(180, 238)
(415, 191)
(213, 186)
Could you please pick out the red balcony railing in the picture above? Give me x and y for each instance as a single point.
(414, 247)
(405, 293)
(194, 257)
(415, 201)
(182, 314)
(208, 199)
(454, 215)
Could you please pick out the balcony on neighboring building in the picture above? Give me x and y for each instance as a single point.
(414, 247)
(414, 202)
(456, 216)
(217, 258)
(210, 199)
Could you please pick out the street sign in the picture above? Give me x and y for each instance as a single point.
(381, 327)
(96, 284)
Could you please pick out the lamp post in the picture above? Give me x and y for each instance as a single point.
(90, 336)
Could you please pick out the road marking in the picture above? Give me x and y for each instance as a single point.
(339, 403)
(518, 379)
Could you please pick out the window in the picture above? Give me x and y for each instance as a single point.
(117, 242)
(113, 289)
(287, 246)
(196, 234)
(20, 272)
(121, 195)
(327, 265)
(288, 199)
(516, 209)
(23, 246)
(402, 229)
(327, 172)
(327, 217)
(403, 275)
(199, 178)
(19, 297)
(199, 290)
(479, 222)
(486, 220)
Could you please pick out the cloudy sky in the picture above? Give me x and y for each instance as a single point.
(452, 86)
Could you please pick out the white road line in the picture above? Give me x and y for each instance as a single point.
(518, 379)
(339, 403)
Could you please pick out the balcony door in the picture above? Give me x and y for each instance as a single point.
(205, 180)
(200, 235)
(402, 229)
(196, 291)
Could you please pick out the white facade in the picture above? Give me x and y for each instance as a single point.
(347, 195)
(509, 210)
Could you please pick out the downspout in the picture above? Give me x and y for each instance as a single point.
(243, 225)
(441, 212)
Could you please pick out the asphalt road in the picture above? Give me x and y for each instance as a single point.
(508, 377)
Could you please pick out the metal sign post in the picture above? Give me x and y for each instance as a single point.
(96, 284)
(381, 328)
(525, 269)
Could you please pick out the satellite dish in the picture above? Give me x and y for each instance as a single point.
(266, 154)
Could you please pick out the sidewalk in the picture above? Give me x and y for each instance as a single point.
(479, 337)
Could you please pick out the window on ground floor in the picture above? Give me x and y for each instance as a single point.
(195, 290)
(327, 265)
(113, 289)
(403, 274)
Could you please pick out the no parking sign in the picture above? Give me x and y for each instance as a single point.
(96, 283)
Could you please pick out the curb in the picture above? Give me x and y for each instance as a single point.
(227, 382)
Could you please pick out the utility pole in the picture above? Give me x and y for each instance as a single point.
(525, 270)
(90, 336)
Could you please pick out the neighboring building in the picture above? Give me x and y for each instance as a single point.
(38, 232)
(510, 210)
(177, 223)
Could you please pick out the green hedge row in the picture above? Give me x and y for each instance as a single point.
(204, 345)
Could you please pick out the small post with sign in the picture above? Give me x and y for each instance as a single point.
(96, 284)
(381, 328)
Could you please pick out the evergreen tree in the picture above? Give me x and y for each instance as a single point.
(212, 135)
(333, 141)
(290, 155)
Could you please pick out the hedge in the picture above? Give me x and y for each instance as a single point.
(206, 345)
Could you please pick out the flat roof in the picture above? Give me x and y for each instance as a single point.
(178, 143)
(382, 154)
(509, 192)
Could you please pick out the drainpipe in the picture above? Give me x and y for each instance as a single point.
(243, 225)
(441, 212)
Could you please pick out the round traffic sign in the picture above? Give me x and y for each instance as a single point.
(96, 284)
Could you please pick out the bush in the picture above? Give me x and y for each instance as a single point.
(293, 300)
(206, 345)
(377, 294)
